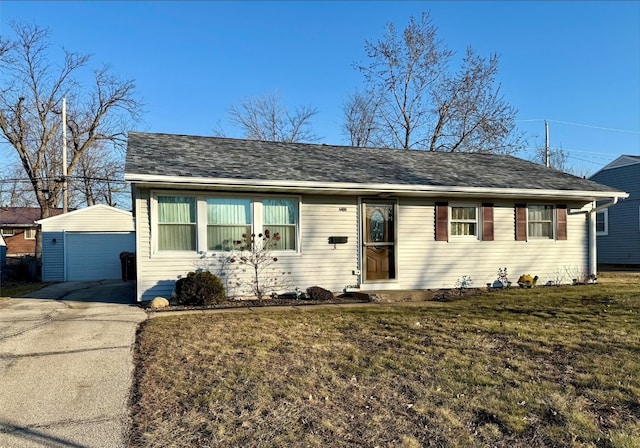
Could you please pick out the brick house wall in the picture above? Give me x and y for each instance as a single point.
(18, 245)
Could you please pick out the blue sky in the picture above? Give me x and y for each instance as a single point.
(568, 62)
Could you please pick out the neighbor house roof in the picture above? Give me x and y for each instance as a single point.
(621, 161)
(165, 159)
(23, 216)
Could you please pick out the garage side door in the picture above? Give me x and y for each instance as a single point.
(96, 256)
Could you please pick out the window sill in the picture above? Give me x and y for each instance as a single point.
(176, 253)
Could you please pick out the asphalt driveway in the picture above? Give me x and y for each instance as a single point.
(66, 365)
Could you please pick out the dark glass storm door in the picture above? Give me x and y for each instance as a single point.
(378, 240)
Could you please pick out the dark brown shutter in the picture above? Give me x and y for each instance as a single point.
(487, 222)
(561, 217)
(442, 221)
(521, 222)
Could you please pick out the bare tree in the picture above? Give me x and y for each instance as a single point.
(99, 179)
(360, 119)
(267, 118)
(472, 114)
(15, 190)
(31, 92)
(558, 158)
(423, 105)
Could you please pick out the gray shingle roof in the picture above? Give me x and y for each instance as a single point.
(23, 216)
(224, 158)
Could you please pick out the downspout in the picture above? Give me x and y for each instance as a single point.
(593, 253)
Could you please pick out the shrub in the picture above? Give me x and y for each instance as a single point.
(200, 288)
(318, 293)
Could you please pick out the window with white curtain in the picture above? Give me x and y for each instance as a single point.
(210, 223)
(280, 216)
(464, 221)
(228, 223)
(176, 223)
(540, 221)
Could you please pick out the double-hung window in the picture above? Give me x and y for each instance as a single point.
(280, 216)
(464, 221)
(29, 234)
(228, 223)
(602, 222)
(176, 223)
(540, 221)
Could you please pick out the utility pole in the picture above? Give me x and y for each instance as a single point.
(546, 144)
(65, 193)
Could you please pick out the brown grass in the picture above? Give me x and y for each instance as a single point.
(518, 368)
(8, 289)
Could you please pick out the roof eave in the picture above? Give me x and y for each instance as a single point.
(368, 189)
(82, 211)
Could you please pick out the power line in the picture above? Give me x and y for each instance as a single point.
(603, 128)
(562, 148)
(59, 179)
(595, 127)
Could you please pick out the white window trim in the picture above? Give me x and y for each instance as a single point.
(554, 223)
(604, 232)
(478, 221)
(201, 220)
(8, 231)
(26, 231)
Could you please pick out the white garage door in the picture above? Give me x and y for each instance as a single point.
(96, 256)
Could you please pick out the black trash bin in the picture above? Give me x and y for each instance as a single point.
(128, 265)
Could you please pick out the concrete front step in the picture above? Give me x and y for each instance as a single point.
(396, 296)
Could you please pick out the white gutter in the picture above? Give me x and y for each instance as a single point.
(593, 250)
(373, 188)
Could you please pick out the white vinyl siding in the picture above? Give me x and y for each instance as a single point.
(423, 263)
(426, 263)
(315, 261)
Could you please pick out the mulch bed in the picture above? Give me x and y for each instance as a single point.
(255, 303)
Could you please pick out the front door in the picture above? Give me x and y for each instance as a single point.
(378, 240)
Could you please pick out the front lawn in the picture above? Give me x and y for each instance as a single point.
(17, 289)
(519, 368)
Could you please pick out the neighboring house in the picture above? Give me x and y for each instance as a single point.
(86, 244)
(3, 253)
(18, 228)
(618, 227)
(357, 218)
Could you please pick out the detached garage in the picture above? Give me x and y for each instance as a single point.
(86, 244)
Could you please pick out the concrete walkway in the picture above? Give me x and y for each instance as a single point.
(66, 365)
